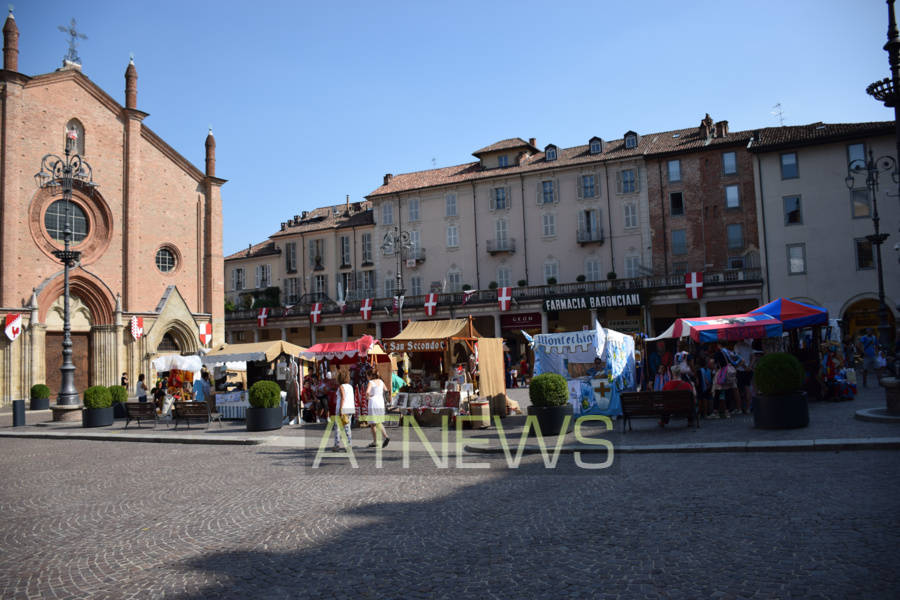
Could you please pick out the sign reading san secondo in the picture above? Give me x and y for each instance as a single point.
(591, 301)
(415, 345)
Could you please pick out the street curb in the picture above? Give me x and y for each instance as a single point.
(752, 446)
(117, 437)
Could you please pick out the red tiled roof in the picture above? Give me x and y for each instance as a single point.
(265, 248)
(329, 217)
(771, 138)
(509, 144)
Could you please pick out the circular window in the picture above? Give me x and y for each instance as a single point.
(55, 221)
(165, 260)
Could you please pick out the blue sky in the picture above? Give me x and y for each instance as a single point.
(311, 101)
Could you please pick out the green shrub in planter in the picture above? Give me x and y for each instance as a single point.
(580, 278)
(551, 281)
(40, 391)
(492, 285)
(97, 396)
(522, 283)
(265, 394)
(118, 394)
(778, 373)
(548, 389)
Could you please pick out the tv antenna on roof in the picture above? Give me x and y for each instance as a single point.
(72, 55)
(778, 112)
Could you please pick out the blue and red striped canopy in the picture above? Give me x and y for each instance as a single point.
(728, 327)
(794, 314)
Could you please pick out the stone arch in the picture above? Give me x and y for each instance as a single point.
(858, 312)
(184, 334)
(78, 127)
(94, 294)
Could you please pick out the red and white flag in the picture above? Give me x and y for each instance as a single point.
(262, 316)
(398, 304)
(13, 326)
(205, 334)
(693, 284)
(137, 327)
(467, 294)
(504, 297)
(430, 304)
(315, 313)
(365, 309)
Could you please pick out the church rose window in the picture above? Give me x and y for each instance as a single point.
(55, 221)
(165, 260)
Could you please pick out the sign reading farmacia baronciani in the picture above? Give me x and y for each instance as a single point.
(591, 301)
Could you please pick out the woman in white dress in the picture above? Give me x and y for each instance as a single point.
(346, 408)
(375, 393)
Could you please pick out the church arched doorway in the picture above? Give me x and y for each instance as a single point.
(80, 319)
(863, 314)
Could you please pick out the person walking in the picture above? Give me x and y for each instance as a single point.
(375, 391)
(141, 389)
(346, 408)
(868, 345)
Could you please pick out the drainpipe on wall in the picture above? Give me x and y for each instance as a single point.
(612, 255)
(765, 232)
(662, 207)
(475, 213)
(524, 238)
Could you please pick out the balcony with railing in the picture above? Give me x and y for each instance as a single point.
(415, 253)
(725, 279)
(589, 236)
(501, 245)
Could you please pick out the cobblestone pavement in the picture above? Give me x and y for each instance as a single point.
(120, 520)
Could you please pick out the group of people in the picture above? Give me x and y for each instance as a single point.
(719, 375)
(516, 373)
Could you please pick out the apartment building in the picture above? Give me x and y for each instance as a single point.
(814, 227)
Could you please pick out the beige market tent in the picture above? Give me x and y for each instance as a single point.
(439, 336)
(257, 351)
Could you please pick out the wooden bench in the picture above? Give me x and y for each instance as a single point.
(140, 411)
(186, 411)
(672, 403)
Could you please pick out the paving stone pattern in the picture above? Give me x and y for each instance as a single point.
(121, 520)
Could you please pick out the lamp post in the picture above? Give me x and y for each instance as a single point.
(872, 169)
(59, 173)
(396, 241)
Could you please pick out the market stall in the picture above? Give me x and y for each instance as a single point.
(793, 314)
(723, 328)
(441, 376)
(175, 374)
(271, 360)
(598, 366)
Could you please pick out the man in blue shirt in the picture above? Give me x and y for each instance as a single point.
(868, 344)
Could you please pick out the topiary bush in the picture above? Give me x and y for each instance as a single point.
(97, 396)
(778, 373)
(40, 391)
(548, 389)
(522, 282)
(118, 394)
(265, 394)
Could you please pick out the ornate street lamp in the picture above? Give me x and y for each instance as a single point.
(59, 173)
(872, 169)
(396, 241)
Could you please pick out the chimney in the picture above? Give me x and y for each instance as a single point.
(706, 127)
(348, 204)
(304, 214)
(10, 43)
(210, 154)
(131, 85)
(387, 178)
(721, 129)
(533, 142)
(521, 158)
(283, 225)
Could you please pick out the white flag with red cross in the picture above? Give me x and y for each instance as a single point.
(365, 309)
(467, 295)
(693, 284)
(262, 317)
(504, 297)
(137, 327)
(315, 313)
(431, 304)
(13, 326)
(205, 334)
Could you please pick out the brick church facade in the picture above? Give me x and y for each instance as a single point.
(150, 233)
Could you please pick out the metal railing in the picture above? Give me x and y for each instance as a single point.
(589, 236)
(501, 245)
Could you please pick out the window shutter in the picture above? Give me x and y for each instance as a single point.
(581, 221)
(618, 182)
(493, 198)
(540, 192)
(637, 179)
(579, 185)
(508, 197)
(555, 190)
(258, 275)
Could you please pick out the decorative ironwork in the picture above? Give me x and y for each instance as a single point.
(74, 35)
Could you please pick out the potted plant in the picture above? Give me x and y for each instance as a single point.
(98, 410)
(780, 402)
(40, 397)
(611, 275)
(466, 287)
(549, 395)
(551, 281)
(264, 413)
(119, 397)
(581, 278)
(492, 285)
(522, 283)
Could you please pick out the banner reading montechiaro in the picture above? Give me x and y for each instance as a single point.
(591, 301)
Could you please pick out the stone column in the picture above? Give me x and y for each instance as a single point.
(104, 368)
(37, 333)
(377, 330)
(344, 332)
(284, 333)
(256, 334)
(544, 324)
(497, 332)
(703, 308)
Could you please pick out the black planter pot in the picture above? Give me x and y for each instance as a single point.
(97, 417)
(788, 411)
(264, 419)
(551, 418)
(39, 404)
(119, 411)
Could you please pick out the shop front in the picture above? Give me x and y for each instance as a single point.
(621, 311)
